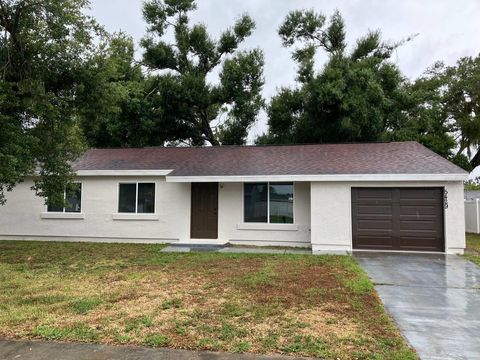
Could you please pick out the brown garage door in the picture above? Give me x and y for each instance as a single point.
(398, 219)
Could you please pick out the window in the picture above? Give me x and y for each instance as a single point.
(73, 200)
(268, 203)
(281, 203)
(136, 198)
(255, 200)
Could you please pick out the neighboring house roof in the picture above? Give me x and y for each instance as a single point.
(472, 194)
(228, 161)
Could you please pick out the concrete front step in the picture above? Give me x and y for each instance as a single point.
(232, 249)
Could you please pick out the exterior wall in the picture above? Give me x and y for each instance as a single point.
(322, 213)
(99, 220)
(332, 219)
(21, 217)
(234, 230)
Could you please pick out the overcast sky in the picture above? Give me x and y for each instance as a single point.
(447, 29)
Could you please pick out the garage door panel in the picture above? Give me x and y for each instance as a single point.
(375, 209)
(419, 202)
(419, 194)
(398, 219)
(412, 243)
(374, 224)
(374, 194)
(418, 225)
(418, 210)
(371, 242)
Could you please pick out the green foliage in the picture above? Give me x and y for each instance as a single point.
(76, 332)
(43, 47)
(353, 97)
(172, 303)
(360, 95)
(113, 104)
(241, 347)
(84, 305)
(138, 323)
(263, 276)
(61, 91)
(157, 340)
(462, 104)
(445, 116)
(308, 344)
(185, 104)
(472, 184)
(472, 252)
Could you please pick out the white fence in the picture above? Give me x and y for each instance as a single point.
(472, 216)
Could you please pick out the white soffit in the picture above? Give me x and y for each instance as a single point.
(327, 177)
(123, 172)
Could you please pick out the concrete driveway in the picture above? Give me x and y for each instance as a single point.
(435, 300)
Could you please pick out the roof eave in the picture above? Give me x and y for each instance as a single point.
(324, 177)
(123, 172)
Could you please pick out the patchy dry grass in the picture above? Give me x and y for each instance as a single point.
(472, 252)
(322, 306)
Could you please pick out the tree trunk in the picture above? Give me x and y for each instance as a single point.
(475, 160)
(208, 132)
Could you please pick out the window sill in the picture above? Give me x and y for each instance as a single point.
(138, 217)
(59, 215)
(268, 227)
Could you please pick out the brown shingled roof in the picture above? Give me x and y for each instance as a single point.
(363, 158)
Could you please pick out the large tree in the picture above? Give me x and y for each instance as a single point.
(462, 106)
(353, 96)
(360, 95)
(186, 104)
(113, 100)
(424, 120)
(446, 115)
(43, 46)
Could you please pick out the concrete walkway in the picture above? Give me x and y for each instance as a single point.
(435, 300)
(40, 350)
(175, 248)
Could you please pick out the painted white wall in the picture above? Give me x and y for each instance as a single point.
(233, 229)
(21, 216)
(322, 214)
(332, 219)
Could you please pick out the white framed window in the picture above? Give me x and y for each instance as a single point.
(72, 196)
(136, 198)
(268, 202)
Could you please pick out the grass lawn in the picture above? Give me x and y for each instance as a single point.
(472, 252)
(322, 306)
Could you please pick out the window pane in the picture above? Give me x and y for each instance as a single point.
(255, 202)
(146, 198)
(126, 198)
(73, 199)
(281, 203)
(53, 208)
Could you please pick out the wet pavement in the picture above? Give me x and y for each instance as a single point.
(434, 299)
(48, 350)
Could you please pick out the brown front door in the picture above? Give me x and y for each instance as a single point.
(204, 211)
(398, 219)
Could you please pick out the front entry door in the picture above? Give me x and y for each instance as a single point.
(204, 216)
